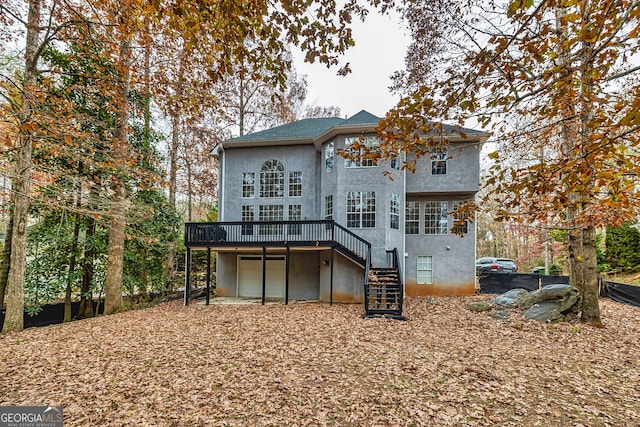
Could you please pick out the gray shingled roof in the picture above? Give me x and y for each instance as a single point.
(313, 128)
(362, 118)
(305, 128)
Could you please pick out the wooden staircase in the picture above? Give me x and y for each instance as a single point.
(384, 293)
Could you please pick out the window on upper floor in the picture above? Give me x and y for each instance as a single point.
(295, 214)
(435, 218)
(271, 213)
(361, 209)
(358, 149)
(395, 211)
(329, 154)
(425, 270)
(272, 179)
(463, 224)
(248, 185)
(328, 207)
(439, 163)
(412, 218)
(395, 163)
(247, 216)
(295, 184)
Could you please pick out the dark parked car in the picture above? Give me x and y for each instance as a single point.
(495, 265)
(537, 270)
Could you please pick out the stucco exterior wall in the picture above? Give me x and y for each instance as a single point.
(348, 279)
(463, 172)
(226, 274)
(381, 179)
(293, 158)
(453, 260)
(304, 276)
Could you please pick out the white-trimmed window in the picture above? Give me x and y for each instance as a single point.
(359, 154)
(328, 207)
(425, 270)
(395, 211)
(272, 179)
(463, 228)
(412, 218)
(435, 218)
(361, 209)
(295, 214)
(247, 216)
(248, 185)
(295, 184)
(329, 155)
(395, 163)
(271, 213)
(439, 163)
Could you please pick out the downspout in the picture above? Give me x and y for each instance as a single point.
(404, 234)
(221, 179)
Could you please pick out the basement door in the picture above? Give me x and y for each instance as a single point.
(250, 276)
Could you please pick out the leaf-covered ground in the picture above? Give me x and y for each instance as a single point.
(315, 365)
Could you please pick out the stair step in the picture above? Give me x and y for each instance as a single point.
(383, 292)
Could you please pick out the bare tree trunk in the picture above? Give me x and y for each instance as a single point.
(14, 317)
(583, 263)
(173, 182)
(576, 257)
(115, 259)
(241, 105)
(591, 289)
(86, 302)
(73, 256)
(189, 193)
(144, 277)
(6, 259)
(147, 81)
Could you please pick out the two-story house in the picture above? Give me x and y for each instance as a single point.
(298, 221)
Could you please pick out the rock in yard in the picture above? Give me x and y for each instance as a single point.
(500, 315)
(479, 306)
(546, 311)
(547, 293)
(509, 298)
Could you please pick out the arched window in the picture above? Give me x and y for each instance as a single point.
(272, 179)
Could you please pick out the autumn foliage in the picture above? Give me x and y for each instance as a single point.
(557, 84)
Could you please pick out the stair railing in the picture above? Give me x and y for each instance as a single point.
(396, 264)
(367, 267)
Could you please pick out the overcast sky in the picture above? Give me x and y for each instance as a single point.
(381, 43)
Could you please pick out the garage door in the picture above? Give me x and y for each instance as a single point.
(250, 276)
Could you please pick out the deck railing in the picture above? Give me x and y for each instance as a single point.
(277, 233)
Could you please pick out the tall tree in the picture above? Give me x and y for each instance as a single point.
(555, 77)
(215, 36)
(14, 318)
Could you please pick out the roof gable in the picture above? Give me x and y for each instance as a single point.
(361, 118)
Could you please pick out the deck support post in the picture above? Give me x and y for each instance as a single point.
(331, 278)
(264, 274)
(208, 275)
(286, 279)
(187, 275)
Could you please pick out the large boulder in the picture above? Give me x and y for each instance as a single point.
(509, 298)
(552, 303)
(547, 293)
